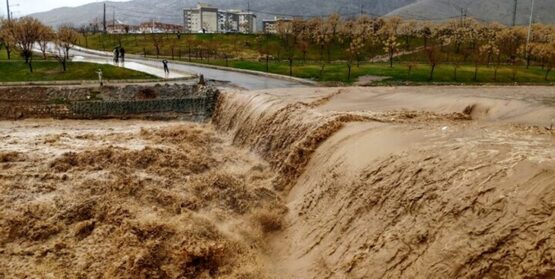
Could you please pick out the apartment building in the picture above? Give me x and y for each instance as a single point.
(202, 19)
(269, 26)
(207, 19)
(247, 22)
(228, 21)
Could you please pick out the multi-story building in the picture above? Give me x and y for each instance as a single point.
(269, 26)
(207, 19)
(202, 19)
(247, 22)
(228, 21)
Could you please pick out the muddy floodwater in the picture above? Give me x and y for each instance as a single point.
(130, 199)
(410, 182)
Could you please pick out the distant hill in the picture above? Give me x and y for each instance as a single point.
(171, 11)
(487, 10)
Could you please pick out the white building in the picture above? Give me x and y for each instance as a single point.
(247, 22)
(202, 19)
(269, 26)
(207, 19)
(228, 21)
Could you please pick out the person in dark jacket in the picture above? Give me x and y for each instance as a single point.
(166, 68)
(122, 54)
(116, 55)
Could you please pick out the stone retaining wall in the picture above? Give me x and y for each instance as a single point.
(177, 101)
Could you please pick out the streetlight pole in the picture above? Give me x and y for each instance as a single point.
(529, 31)
(8, 10)
(514, 12)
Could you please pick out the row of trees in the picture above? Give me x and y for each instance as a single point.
(354, 40)
(455, 42)
(27, 35)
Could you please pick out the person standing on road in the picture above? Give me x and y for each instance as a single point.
(100, 74)
(122, 54)
(116, 55)
(166, 68)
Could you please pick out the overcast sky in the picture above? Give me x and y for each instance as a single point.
(24, 7)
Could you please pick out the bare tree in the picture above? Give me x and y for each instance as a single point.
(173, 46)
(433, 49)
(288, 38)
(510, 41)
(191, 41)
(408, 30)
(61, 53)
(84, 31)
(322, 37)
(262, 46)
(333, 23)
(157, 41)
(350, 35)
(388, 36)
(47, 35)
(6, 36)
(67, 38)
(26, 32)
(547, 53)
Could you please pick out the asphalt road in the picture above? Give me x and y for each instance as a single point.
(242, 80)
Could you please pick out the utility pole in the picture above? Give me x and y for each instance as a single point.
(8, 8)
(462, 16)
(361, 9)
(104, 21)
(514, 12)
(529, 30)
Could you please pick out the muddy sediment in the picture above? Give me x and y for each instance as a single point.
(323, 183)
(170, 202)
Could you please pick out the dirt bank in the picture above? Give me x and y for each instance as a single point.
(426, 182)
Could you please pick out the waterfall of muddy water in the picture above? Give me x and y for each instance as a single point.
(424, 182)
(406, 182)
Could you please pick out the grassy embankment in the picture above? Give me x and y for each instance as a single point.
(243, 53)
(16, 70)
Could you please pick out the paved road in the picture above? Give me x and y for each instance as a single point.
(243, 80)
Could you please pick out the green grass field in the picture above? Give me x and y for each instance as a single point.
(338, 72)
(50, 70)
(3, 55)
(244, 49)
